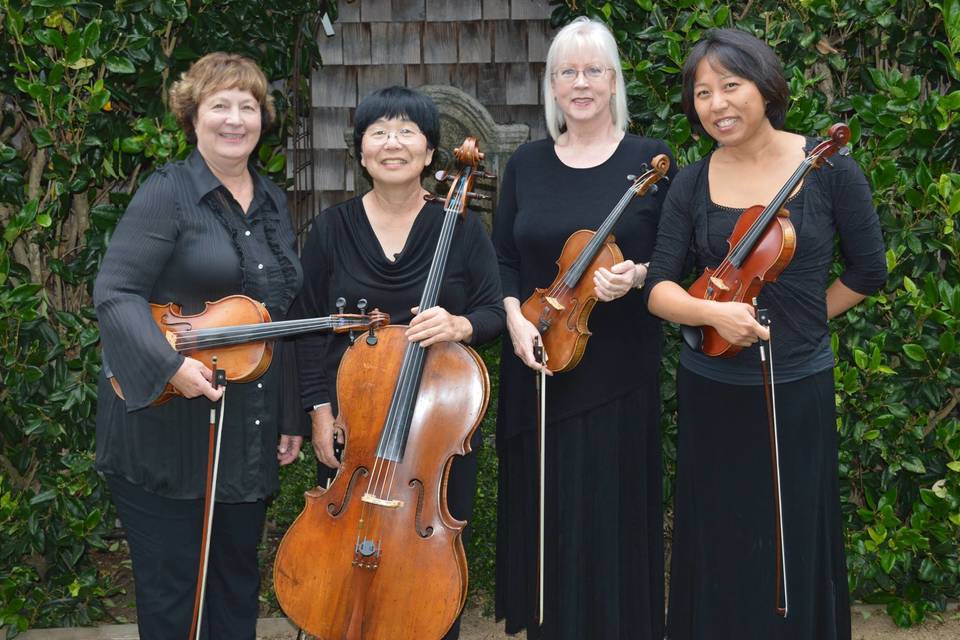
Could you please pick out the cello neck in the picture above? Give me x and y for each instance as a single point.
(393, 439)
(589, 252)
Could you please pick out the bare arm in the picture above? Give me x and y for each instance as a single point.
(840, 298)
(734, 321)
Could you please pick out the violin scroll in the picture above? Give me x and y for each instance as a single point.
(839, 137)
(647, 181)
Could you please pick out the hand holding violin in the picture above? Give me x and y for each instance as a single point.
(616, 281)
(736, 323)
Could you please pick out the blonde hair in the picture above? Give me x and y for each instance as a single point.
(215, 72)
(584, 34)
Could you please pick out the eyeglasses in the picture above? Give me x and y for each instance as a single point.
(590, 72)
(380, 136)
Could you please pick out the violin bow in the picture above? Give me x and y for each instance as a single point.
(769, 392)
(209, 499)
(542, 464)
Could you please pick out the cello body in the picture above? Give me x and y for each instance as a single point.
(316, 576)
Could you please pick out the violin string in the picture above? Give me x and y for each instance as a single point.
(408, 385)
(587, 255)
(248, 333)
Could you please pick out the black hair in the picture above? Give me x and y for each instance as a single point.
(397, 102)
(746, 56)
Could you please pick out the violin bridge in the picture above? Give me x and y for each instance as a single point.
(171, 338)
(380, 502)
(719, 284)
(553, 302)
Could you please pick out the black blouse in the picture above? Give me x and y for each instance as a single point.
(542, 202)
(342, 257)
(184, 239)
(834, 202)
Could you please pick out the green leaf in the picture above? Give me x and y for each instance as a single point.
(276, 163)
(42, 137)
(915, 352)
(117, 64)
(914, 464)
(7, 153)
(954, 465)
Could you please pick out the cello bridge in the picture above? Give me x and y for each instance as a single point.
(553, 302)
(719, 284)
(380, 502)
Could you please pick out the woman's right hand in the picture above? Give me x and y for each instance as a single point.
(522, 335)
(193, 379)
(737, 324)
(322, 423)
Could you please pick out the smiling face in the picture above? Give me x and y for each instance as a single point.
(579, 97)
(731, 108)
(394, 152)
(227, 126)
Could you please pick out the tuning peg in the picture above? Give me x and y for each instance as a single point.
(362, 304)
(484, 174)
(443, 176)
(341, 303)
(653, 189)
(429, 197)
(477, 196)
(631, 178)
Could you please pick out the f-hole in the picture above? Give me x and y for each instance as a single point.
(423, 532)
(333, 508)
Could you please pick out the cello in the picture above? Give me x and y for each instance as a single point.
(378, 555)
(560, 312)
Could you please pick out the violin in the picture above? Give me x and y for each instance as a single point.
(377, 555)
(235, 331)
(561, 311)
(761, 246)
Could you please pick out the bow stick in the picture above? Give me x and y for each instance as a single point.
(209, 499)
(769, 392)
(542, 464)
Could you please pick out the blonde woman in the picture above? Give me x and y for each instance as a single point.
(604, 546)
(197, 230)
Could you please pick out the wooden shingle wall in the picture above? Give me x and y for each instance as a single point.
(492, 50)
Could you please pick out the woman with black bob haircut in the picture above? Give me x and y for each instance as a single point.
(380, 246)
(723, 579)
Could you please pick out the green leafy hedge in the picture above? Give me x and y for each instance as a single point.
(81, 121)
(891, 69)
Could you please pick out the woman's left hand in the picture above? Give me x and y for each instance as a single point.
(289, 449)
(616, 281)
(438, 325)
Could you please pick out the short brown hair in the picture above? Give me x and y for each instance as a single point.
(214, 72)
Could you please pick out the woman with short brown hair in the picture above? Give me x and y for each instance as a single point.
(197, 230)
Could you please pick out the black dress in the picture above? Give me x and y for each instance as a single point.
(342, 257)
(723, 571)
(604, 547)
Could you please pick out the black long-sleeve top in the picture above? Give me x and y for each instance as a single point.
(184, 239)
(833, 202)
(542, 202)
(343, 258)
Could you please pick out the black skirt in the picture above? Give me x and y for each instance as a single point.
(604, 525)
(723, 571)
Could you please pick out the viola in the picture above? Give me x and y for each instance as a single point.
(378, 555)
(236, 332)
(761, 246)
(561, 311)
